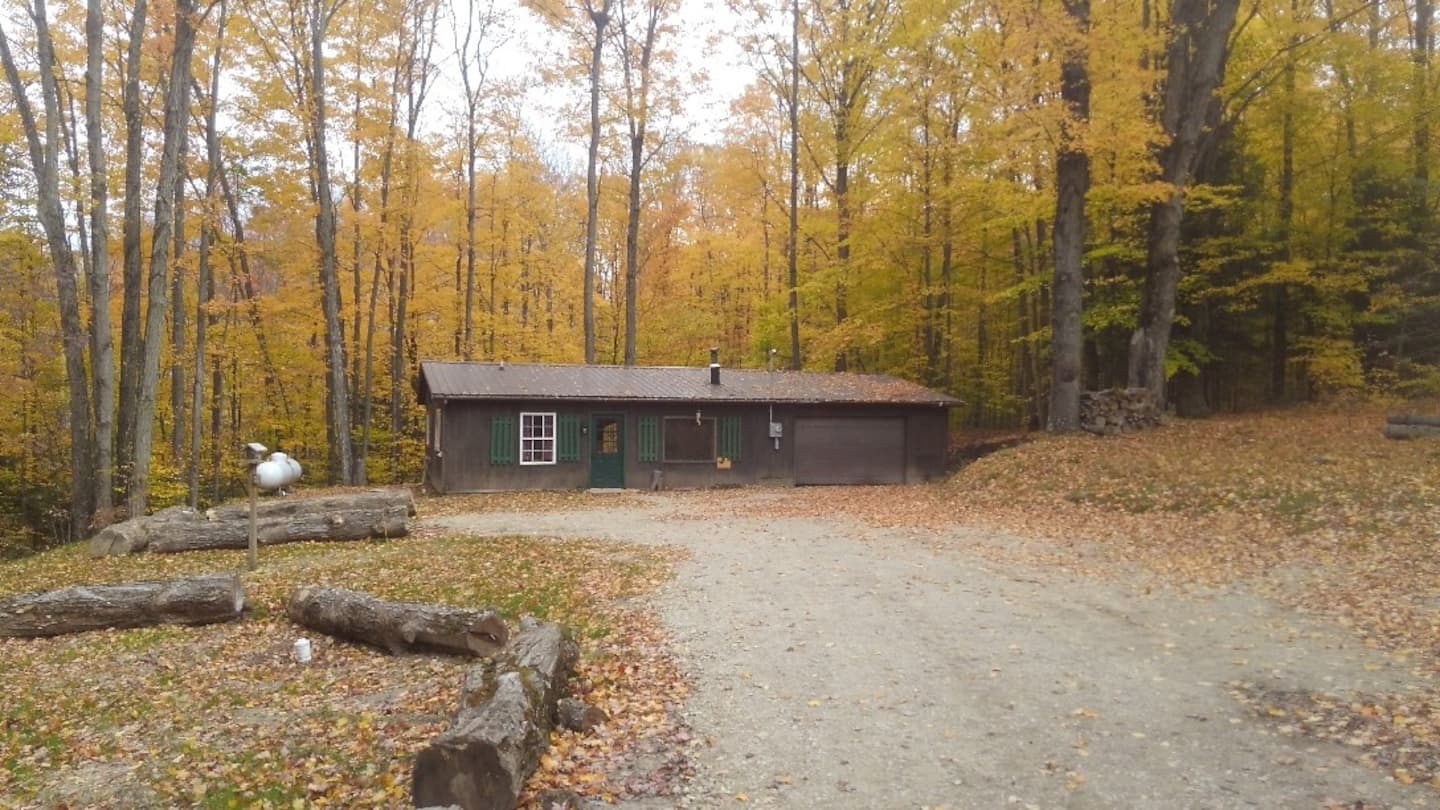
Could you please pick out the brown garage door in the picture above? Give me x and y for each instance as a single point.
(850, 450)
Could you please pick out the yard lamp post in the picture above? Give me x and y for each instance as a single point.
(254, 455)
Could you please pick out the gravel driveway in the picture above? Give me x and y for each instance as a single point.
(842, 666)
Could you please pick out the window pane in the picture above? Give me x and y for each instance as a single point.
(537, 438)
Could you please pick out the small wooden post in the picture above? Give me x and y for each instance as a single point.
(254, 541)
(254, 454)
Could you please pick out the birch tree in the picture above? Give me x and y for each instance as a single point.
(44, 152)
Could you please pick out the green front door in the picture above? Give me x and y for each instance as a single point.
(607, 451)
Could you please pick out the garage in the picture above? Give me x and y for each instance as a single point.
(850, 450)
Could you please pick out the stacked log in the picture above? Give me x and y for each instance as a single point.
(189, 601)
(508, 706)
(1119, 410)
(397, 627)
(346, 516)
(1411, 426)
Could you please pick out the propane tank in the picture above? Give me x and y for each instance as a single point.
(277, 472)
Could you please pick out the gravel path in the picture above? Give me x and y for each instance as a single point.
(847, 667)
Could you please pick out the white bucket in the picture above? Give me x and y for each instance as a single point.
(302, 650)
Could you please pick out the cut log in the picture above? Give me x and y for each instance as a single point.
(507, 709)
(397, 627)
(1413, 419)
(195, 600)
(346, 516)
(577, 715)
(1403, 431)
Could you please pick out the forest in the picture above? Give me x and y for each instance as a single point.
(234, 220)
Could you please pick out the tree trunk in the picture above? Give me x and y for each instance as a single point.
(337, 391)
(397, 627)
(348, 516)
(177, 293)
(1420, 142)
(471, 147)
(132, 272)
(45, 164)
(102, 351)
(1279, 293)
(204, 275)
(1394, 431)
(1413, 419)
(196, 600)
(792, 246)
(1195, 65)
(177, 115)
(600, 17)
(632, 241)
(637, 112)
(507, 708)
(1072, 182)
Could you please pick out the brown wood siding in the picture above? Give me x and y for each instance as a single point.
(463, 463)
(850, 450)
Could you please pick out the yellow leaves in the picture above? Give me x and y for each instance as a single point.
(742, 797)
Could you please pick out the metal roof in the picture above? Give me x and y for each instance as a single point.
(459, 380)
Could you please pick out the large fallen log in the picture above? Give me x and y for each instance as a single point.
(195, 600)
(1408, 431)
(1413, 419)
(345, 516)
(397, 627)
(507, 708)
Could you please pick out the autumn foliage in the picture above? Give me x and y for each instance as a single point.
(362, 184)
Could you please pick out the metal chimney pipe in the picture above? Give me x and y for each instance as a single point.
(714, 365)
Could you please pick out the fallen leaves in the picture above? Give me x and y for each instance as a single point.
(221, 716)
(525, 501)
(1397, 734)
(1310, 506)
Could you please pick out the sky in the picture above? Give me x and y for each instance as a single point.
(704, 40)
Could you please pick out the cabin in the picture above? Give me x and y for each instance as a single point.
(511, 426)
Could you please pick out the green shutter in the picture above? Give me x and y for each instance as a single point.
(649, 440)
(567, 437)
(730, 437)
(502, 440)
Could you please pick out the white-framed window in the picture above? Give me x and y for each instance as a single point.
(537, 438)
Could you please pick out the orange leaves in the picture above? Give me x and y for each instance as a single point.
(1398, 734)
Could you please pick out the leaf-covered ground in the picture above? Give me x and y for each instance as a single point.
(1311, 506)
(220, 716)
(551, 501)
